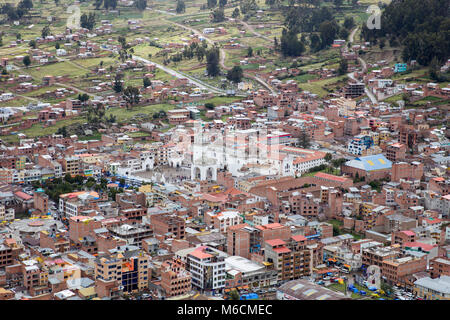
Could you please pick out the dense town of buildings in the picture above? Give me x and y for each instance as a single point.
(277, 191)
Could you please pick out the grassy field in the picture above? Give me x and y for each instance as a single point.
(318, 86)
(37, 130)
(56, 69)
(122, 114)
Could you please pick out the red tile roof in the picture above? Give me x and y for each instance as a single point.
(424, 246)
(23, 195)
(330, 177)
(272, 226)
(299, 238)
(275, 242)
(433, 221)
(408, 233)
(282, 250)
(198, 253)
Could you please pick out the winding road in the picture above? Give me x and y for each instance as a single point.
(351, 75)
(180, 74)
(222, 56)
(250, 28)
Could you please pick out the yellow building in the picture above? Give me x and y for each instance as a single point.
(20, 163)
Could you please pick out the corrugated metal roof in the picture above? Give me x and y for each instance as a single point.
(370, 163)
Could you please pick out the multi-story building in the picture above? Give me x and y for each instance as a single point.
(245, 272)
(439, 266)
(207, 268)
(291, 259)
(396, 152)
(71, 165)
(133, 234)
(6, 256)
(352, 261)
(128, 265)
(175, 280)
(6, 214)
(242, 240)
(354, 90)
(164, 224)
(433, 289)
(304, 204)
(223, 220)
(359, 144)
(401, 237)
(41, 202)
(377, 255)
(395, 270)
(72, 204)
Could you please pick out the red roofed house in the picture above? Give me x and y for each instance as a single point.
(291, 258)
(402, 237)
(274, 231)
(342, 181)
(207, 267)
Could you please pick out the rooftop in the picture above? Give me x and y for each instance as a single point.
(441, 285)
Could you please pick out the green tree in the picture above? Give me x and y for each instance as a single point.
(315, 42)
(343, 67)
(248, 6)
(336, 231)
(25, 4)
(87, 21)
(328, 31)
(235, 13)
(349, 23)
(147, 82)
(290, 45)
(218, 15)
(235, 74)
(118, 85)
(386, 287)
(83, 97)
(211, 4)
(212, 62)
(209, 106)
(250, 52)
(304, 140)
(26, 61)
(68, 176)
(141, 4)
(131, 96)
(434, 70)
(181, 7)
(45, 32)
(328, 157)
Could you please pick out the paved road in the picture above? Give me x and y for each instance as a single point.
(180, 74)
(222, 56)
(252, 30)
(28, 98)
(352, 35)
(351, 75)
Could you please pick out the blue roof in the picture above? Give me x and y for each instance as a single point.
(370, 163)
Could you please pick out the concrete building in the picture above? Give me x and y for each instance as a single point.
(175, 280)
(433, 289)
(207, 268)
(292, 259)
(127, 265)
(305, 290)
